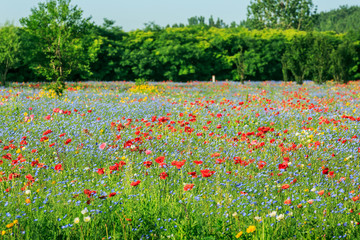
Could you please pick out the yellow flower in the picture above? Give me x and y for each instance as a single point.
(15, 221)
(3, 232)
(251, 229)
(28, 200)
(10, 225)
(239, 234)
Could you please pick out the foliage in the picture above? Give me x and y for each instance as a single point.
(297, 57)
(343, 60)
(63, 43)
(9, 50)
(341, 20)
(280, 14)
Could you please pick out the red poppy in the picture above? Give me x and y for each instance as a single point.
(147, 164)
(47, 132)
(163, 175)
(206, 173)
(285, 186)
(160, 159)
(283, 165)
(68, 141)
(135, 183)
(261, 164)
(101, 171)
(58, 167)
(325, 171)
(112, 194)
(188, 187)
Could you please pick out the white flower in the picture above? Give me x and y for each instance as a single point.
(289, 163)
(280, 217)
(27, 192)
(85, 211)
(313, 190)
(290, 213)
(272, 214)
(87, 168)
(234, 214)
(257, 218)
(76, 220)
(87, 219)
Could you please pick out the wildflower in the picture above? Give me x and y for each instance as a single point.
(280, 217)
(251, 229)
(272, 214)
(288, 201)
(28, 201)
(148, 152)
(85, 211)
(27, 192)
(188, 187)
(87, 219)
(239, 234)
(135, 183)
(15, 221)
(257, 218)
(58, 167)
(10, 225)
(76, 220)
(163, 175)
(102, 146)
(3, 232)
(234, 214)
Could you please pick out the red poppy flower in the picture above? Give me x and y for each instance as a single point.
(135, 183)
(261, 164)
(206, 173)
(101, 171)
(283, 165)
(160, 159)
(188, 187)
(58, 167)
(163, 175)
(147, 164)
(47, 132)
(325, 171)
(68, 141)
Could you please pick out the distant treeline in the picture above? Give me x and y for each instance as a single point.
(195, 51)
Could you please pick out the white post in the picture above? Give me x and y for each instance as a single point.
(213, 78)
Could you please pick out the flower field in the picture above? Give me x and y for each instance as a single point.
(180, 161)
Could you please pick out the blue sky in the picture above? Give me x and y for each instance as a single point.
(132, 14)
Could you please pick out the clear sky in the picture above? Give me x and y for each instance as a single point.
(132, 14)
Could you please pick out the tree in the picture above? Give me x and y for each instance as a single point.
(245, 62)
(64, 40)
(343, 62)
(297, 57)
(319, 58)
(283, 14)
(9, 50)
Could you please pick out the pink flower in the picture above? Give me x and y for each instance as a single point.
(148, 152)
(48, 117)
(102, 146)
(32, 117)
